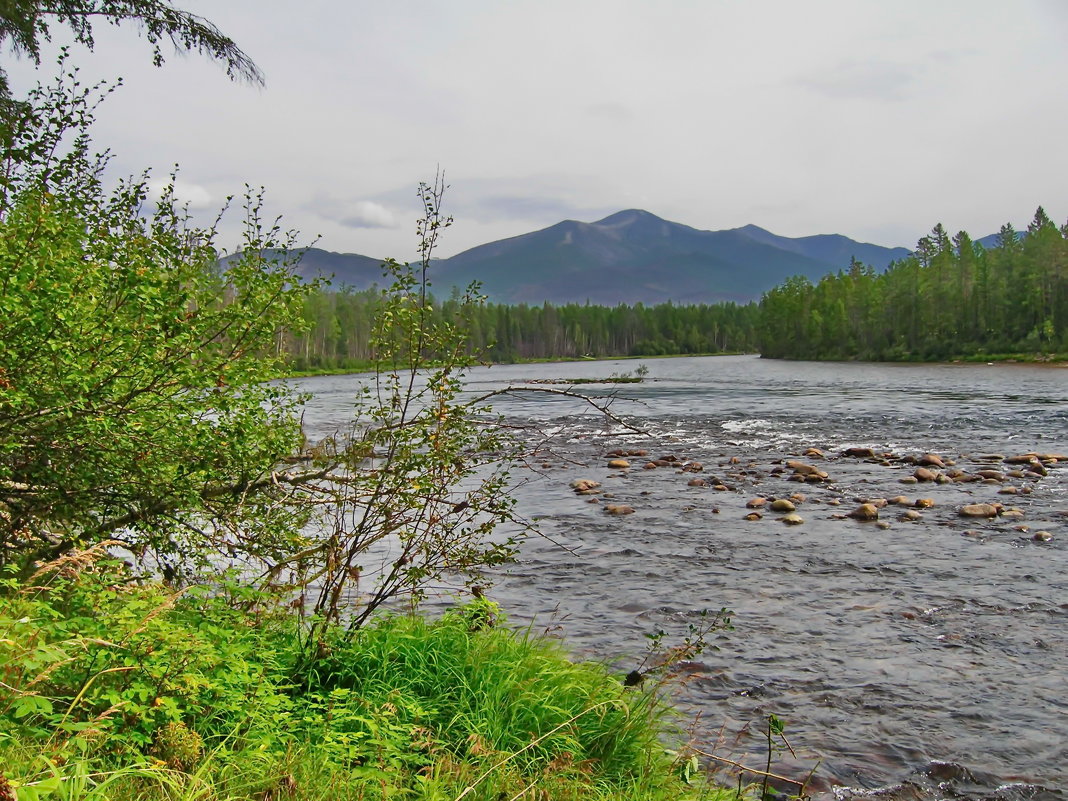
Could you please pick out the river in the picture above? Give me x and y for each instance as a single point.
(909, 659)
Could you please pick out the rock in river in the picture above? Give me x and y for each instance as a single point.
(931, 460)
(866, 511)
(980, 510)
(585, 486)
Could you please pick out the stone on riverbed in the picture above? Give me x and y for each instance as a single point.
(1042, 536)
(866, 511)
(980, 510)
(755, 503)
(585, 486)
(859, 453)
(618, 509)
(808, 472)
(924, 474)
(782, 505)
(931, 460)
(792, 519)
(619, 464)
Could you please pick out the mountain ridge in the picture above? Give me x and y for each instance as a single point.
(630, 256)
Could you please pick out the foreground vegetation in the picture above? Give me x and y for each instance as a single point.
(116, 688)
(135, 422)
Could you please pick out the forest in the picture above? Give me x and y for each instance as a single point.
(339, 325)
(952, 299)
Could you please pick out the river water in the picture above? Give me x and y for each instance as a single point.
(909, 659)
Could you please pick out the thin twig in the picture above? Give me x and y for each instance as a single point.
(748, 769)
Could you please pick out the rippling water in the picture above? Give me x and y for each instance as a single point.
(926, 659)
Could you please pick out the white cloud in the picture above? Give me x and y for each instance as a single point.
(368, 214)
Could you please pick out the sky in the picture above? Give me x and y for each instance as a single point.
(868, 118)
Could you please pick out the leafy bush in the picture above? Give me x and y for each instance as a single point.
(132, 402)
(150, 693)
(97, 660)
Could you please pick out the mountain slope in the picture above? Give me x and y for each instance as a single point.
(634, 256)
(630, 257)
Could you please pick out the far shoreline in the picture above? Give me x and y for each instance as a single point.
(1014, 359)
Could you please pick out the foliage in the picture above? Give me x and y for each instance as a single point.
(131, 398)
(24, 24)
(131, 687)
(134, 405)
(952, 298)
(418, 484)
(339, 333)
(96, 660)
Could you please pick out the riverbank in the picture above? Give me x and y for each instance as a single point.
(122, 689)
(367, 366)
(1034, 359)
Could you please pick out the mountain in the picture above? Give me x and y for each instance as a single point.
(634, 256)
(628, 257)
(343, 269)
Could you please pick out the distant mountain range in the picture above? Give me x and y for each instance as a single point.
(629, 257)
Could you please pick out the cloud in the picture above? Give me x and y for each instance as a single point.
(612, 112)
(353, 214)
(192, 195)
(864, 80)
(368, 214)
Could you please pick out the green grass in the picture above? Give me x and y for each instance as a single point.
(126, 690)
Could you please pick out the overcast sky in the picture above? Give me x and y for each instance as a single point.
(869, 118)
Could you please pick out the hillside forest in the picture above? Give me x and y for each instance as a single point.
(952, 298)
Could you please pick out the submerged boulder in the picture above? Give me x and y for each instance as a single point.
(931, 460)
(866, 511)
(980, 510)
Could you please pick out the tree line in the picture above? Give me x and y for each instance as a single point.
(952, 298)
(339, 323)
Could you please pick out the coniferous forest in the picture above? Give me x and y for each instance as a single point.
(953, 298)
(340, 322)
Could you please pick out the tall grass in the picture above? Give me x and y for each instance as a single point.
(120, 690)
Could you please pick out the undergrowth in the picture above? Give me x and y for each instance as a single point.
(116, 688)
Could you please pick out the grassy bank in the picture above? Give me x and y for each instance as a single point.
(121, 689)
